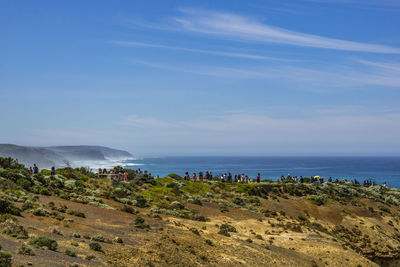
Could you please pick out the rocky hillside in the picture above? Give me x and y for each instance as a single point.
(46, 157)
(77, 219)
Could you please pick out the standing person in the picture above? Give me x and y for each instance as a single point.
(53, 171)
(30, 170)
(207, 176)
(35, 169)
(246, 179)
(104, 171)
(186, 176)
(258, 178)
(230, 177)
(201, 176)
(194, 177)
(125, 176)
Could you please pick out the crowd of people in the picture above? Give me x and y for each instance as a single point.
(121, 174)
(225, 177)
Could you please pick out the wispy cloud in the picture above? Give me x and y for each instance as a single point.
(201, 51)
(241, 28)
(368, 73)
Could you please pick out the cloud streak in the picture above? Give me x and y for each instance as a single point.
(201, 51)
(241, 28)
(370, 73)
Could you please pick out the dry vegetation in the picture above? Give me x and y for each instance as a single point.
(76, 219)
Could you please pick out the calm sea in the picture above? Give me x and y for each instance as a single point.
(381, 169)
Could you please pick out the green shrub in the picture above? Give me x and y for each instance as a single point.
(5, 259)
(225, 229)
(129, 209)
(42, 241)
(239, 201)
(195, 201)
(70, 253)
(382, 208)
(140, 223)
(27, 205)
(141, 202)
(76, 213)
(24, 250)
(98, 238)
(95, 246)
(8, 207)
(317, 199)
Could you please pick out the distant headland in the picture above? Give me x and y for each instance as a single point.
(59, 156)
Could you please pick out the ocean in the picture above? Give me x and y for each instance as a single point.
(380, 169)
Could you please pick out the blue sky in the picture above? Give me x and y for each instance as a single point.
(304, 77)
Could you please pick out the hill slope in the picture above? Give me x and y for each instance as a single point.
(171, 222)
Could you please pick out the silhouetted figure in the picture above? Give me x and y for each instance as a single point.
(35, 169)
(53, 170)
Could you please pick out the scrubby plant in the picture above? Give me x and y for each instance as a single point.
(176, 205)
(317, 199)
(129, 209)
(225, 229)
(9, 225)
(24, 250)
(8, 207)
(95, 246)
(118, 239)
(5, 259)
(27, 205)
(239, 201)
(76, 213)
(141, 202)
(140, 223)
(70, 253)
(42, 241)
(98, 238)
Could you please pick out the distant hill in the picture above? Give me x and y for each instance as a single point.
(59, 155)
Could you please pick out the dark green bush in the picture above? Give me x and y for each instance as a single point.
(238, 201)
(76, 213)
(8, 207)
(141, 202)
(24, 250)
(70, 253)
(129, 209)
(10, 163)
(5, 259)
(42, 241)
(95, 246)
(140, 223)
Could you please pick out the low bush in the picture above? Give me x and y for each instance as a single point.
(140, 223)
(141, 202)
(70, 253)
(76, 213)
(128, 209)
(24, 250)
(8, 207)
(95, 246)
(42, 241)
(5, 259)
(239, 201)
